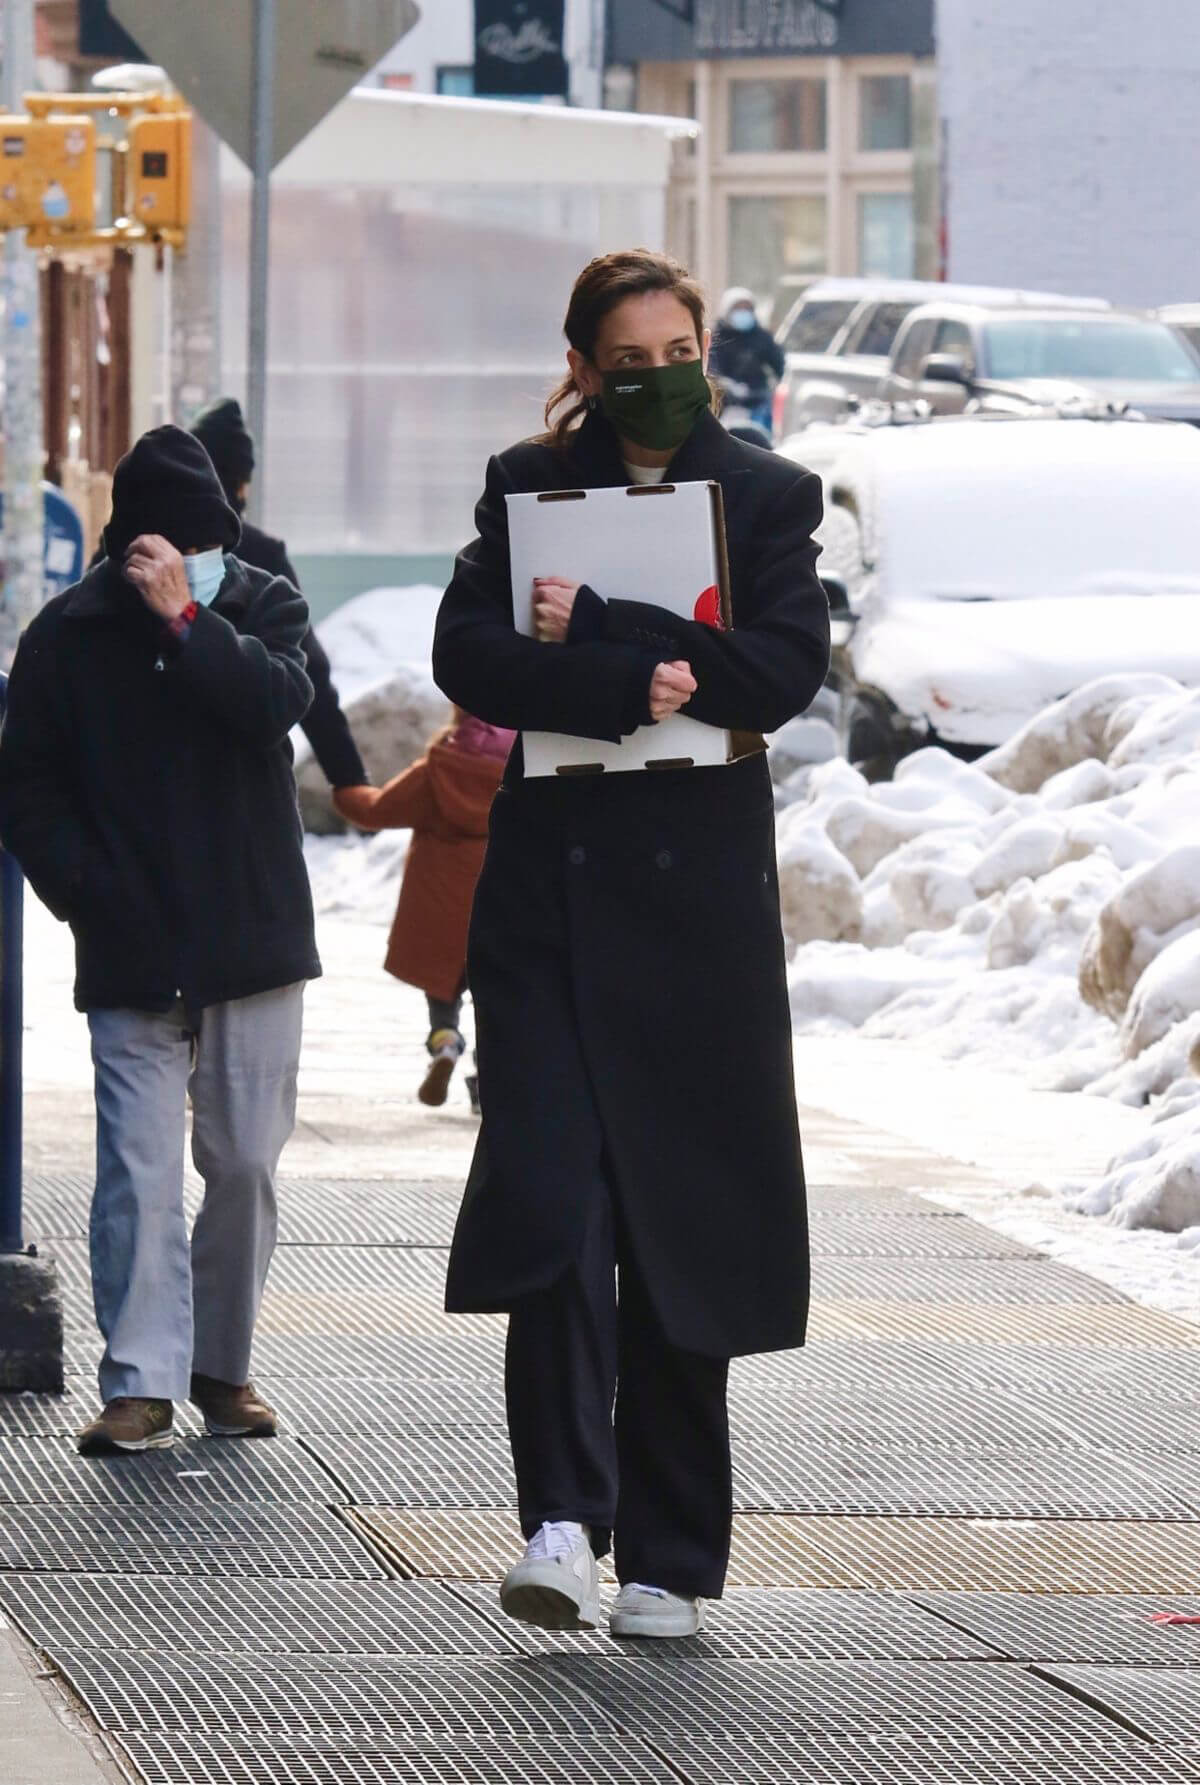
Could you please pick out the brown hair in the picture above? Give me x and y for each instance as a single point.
(603, 284)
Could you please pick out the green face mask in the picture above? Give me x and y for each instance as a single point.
(656, 406)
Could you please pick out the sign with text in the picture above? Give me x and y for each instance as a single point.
(519, 48)
(763, 27)
(675, 31)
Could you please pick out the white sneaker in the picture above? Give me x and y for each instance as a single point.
(556, 1585)
(652, 1611)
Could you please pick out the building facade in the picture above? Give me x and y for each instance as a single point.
(818, 147)
(1069, 139)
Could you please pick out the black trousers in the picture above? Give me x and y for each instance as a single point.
(652, 1481)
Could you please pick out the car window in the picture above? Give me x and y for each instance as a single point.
(877, 330)
(815, 324)
(914, 344)
(954, 338)
(1070, 347)
(1190, 332)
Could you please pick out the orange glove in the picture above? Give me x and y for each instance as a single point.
(357, 804)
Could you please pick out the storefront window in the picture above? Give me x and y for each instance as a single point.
(769, 237)
(776, 117)
(884, 112)
(885, 235)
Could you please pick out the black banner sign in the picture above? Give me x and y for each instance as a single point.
(519, 48)
(100, 34)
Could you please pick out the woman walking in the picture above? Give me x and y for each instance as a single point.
(627, 967)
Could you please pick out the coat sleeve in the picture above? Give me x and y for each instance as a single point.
(598, 690)
(325, 725)
(404, 803)
(773, 354)
(253, 679)
(767, 669)
(41, 823)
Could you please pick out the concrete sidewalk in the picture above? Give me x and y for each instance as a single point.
(956, 1510)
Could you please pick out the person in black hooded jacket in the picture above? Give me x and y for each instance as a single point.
(228, 442)
(146, 789)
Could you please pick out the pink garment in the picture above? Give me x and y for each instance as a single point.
(475, 737)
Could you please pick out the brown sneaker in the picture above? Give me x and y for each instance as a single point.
(128, 1423)
(233, 1412)
(445, 1049)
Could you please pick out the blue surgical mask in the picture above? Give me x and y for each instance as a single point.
(205, 574)
(743, 320)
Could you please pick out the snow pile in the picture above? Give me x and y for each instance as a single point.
(1037, 910)
(355, 875)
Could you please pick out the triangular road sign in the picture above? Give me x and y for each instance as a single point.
(323, 47)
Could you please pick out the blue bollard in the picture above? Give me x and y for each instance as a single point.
(11, 1016)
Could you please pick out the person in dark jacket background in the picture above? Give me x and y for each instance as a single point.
(745, 355)
(228, 442)
(146, 789)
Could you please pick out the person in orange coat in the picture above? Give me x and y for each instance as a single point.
(445, 799)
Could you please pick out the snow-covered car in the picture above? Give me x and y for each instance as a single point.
(993, 564)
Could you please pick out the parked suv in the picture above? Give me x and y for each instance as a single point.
(838, 337)
(954, 355)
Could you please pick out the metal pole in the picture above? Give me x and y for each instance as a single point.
(23, 547)
(262, 146)
(11, 916)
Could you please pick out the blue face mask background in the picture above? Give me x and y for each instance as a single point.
(205, 574)
(742, 320)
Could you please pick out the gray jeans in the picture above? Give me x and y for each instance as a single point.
(167, 1306)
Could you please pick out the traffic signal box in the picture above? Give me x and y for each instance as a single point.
(159, 178)
(47, 175)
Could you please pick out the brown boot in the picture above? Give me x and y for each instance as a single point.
(129, 1422)
(231, 1411)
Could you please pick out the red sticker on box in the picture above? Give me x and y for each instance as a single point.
(708, 608)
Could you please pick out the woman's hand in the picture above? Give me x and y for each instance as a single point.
(671, 687)
(553, 604)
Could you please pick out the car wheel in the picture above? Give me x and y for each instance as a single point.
(872, 735)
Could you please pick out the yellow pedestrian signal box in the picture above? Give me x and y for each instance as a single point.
(159, 179)
(47, 174)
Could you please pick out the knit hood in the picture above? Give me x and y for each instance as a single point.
(166, 484)
(227, 440)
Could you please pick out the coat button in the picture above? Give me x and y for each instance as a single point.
(577, 856)
(664, 858)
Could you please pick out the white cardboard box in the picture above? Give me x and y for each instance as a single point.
(662, 543)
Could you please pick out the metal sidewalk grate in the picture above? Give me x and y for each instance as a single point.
(829, 1479)
(886, 1760)
(1095, 1422)
(479, 1546)
(766, 1698)
(1080, 1368)
(319, 1315)
(219, 1759)
(51, 1416)
(1162, 1703)
(411, 1700)
(1124, 1326)
(990, 1555)
(368, 1212)
(455, 1468)
(56, 1206)
(195, 1473)
(285, 1540)
(900, 1413)
(848, 1363)
(786, 1624)
(349, 1404)
(360, 1270)
(1077, 1627)
(898, 1236)
(873, 1200)
(1020, 1282)
(470, 1353)
(105, 1611)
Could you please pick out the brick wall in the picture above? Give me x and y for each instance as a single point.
(1072, 144)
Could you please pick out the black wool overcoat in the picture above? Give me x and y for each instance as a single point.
(146, 789)
(626, 957)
